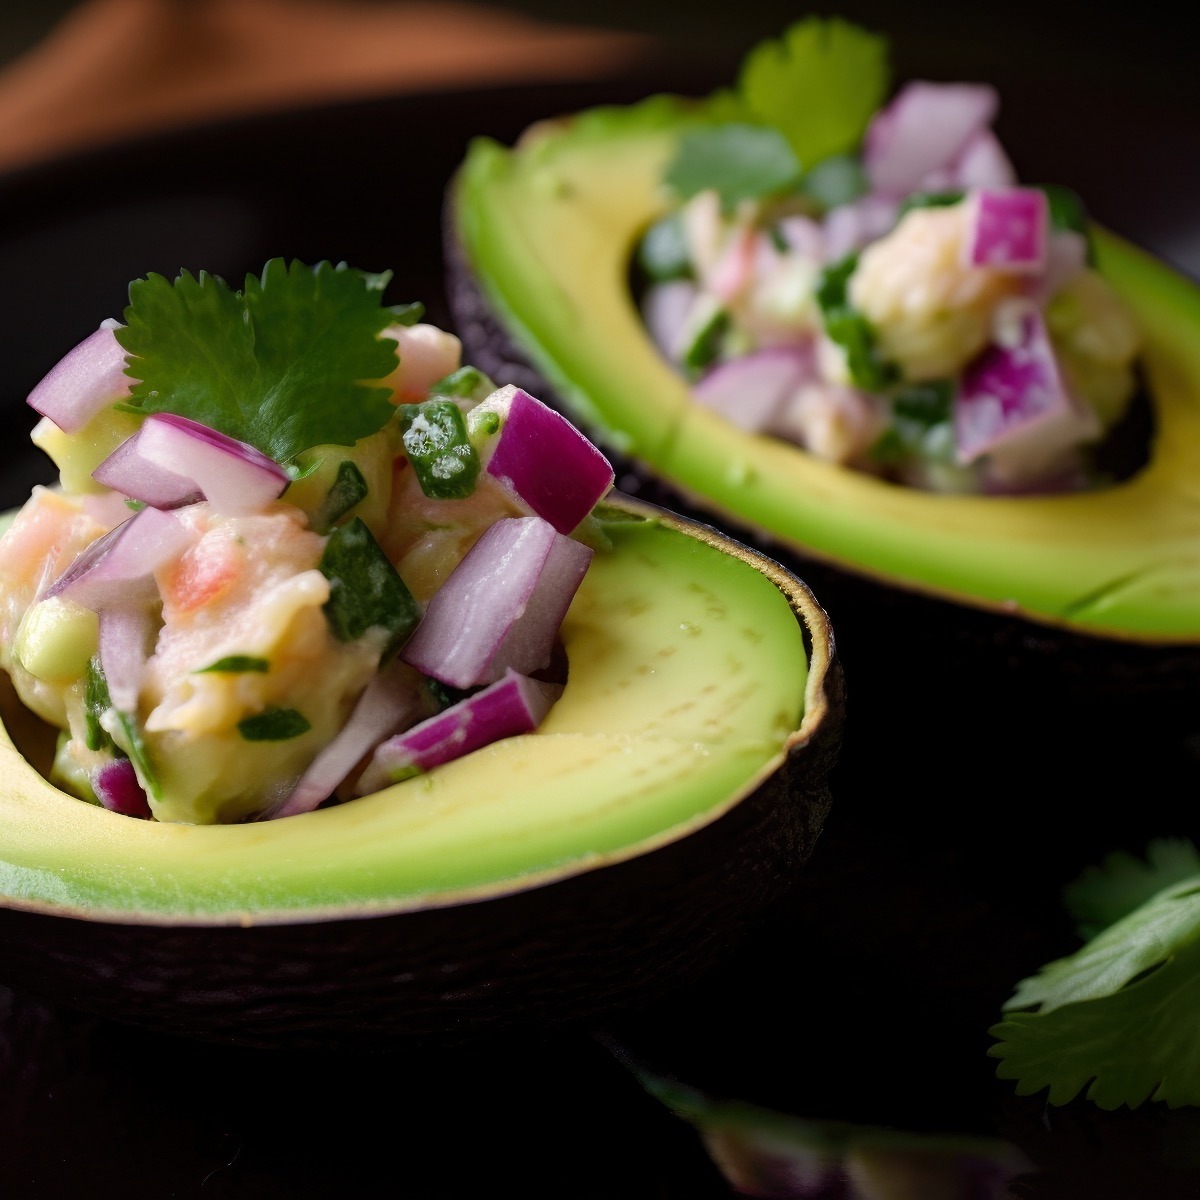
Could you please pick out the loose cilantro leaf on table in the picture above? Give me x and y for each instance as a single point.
(1116, 1019)
(279, 365)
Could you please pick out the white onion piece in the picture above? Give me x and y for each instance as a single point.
(392, 700)
(172, 460)
(1014, 406)
(665, 308)
(924, 129)
(513, 705)
(125, 632)
(543, 460)
(1007, 229)
(117, 788)
(119, 566)
(501, 606)
(751, 391)
(84, 381)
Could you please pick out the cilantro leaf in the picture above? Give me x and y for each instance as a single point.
(279, 365)
(1104, 894)
(1127, 1046)
(1118, 1016)
(846, 326)
(818, 84)
(274, 725)
(739, 161)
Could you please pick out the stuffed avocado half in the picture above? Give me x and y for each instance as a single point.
(543, 239)
(326, 715)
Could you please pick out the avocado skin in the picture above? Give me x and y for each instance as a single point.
(554, 956)
(912, 648)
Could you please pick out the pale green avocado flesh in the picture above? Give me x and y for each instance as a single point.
(548, 230)
(686, 688)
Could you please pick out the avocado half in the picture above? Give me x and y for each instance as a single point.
(668, 799)
(1103, 585)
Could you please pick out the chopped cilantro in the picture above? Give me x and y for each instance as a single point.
(348, 488)
(740, 161)
(707, 328)
(818, 84)
(437, 445)
(846, 326)
(274, 725)
(481, 424)
(96, 703)
(279, 365)
(928, 200)
(1069, 214)
(926, 404)
(234, 664)
(365, 590)
(135, 747)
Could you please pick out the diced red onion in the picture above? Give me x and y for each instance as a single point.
(541, 458)
(1014, 406)
(736, 265)
(84, 381)
(119, 566)
(665, 309)
(502, 605)
(1007, 229)
(513, 705)
(392, 700)
(172, 460)
(117, 788)
(923, 130)
(125, 632)
(984, 164)
(751, 391)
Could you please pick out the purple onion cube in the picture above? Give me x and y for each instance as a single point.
(172, 461)
(543, 460)
(924, 130)
(1007, 229)
(119, 566)
(126, 633)
(751, 391)
(512, 705)
(85, 380)
(117, 788)
(501, 607)
(1013, 405)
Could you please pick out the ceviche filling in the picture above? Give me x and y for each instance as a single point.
(872, 282)
(297, 551)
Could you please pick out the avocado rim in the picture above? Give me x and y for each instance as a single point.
(1119, 565)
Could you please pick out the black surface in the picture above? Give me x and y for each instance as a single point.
(956, 821)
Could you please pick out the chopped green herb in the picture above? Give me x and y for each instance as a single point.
(96, 703)
(135, 747)
(274, 725)
(234, 664)
(398, 314)
(439, 449)
(703, 341)
(926, 404)
(846, 326)
(279, 365)
(348, 488)
(365, 590)
(663, 251)
(739, 161)
(819, 84)
(467, 383)
(1068, 213)
(135, 505)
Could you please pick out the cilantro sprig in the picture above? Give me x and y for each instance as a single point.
(800, 100)
(280, 364)
(1116, 1020)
